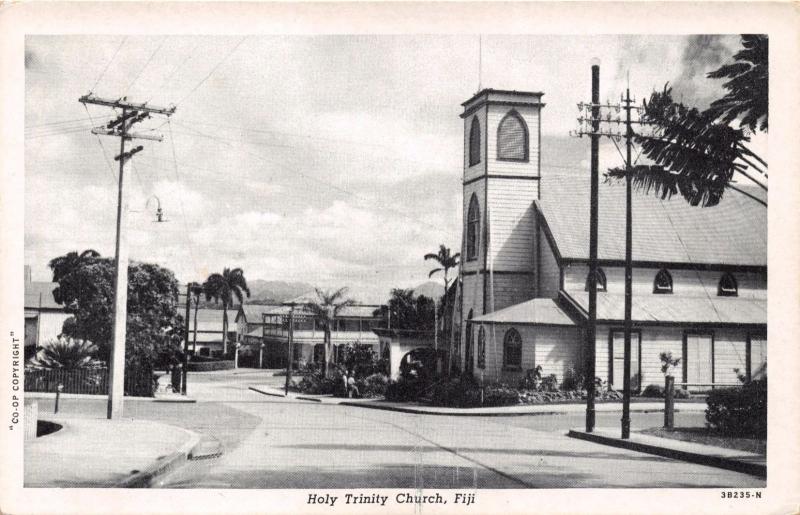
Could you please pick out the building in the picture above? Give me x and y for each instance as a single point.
(353, 325)
(699, 277)
(44, 317)
(206, 338)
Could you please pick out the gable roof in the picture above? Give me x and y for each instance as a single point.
(39, 295)
(252, 312)
(534, 311)
(733, 233)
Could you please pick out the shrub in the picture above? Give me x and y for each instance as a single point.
(404, 390)
(680, 393)
(549, 384)
(317, 385)
(653, 390)
(373, 385)
(210, 365)
(362, 360)
(500, 395)
(739, 411)
(573, 381)
(65, 353)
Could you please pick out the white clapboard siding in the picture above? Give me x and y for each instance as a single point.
(509, 289)
(684, 282)
(50, 325)
(511, 226)
(656, 340)
(554, 348)
(531, 117)
(730, 352)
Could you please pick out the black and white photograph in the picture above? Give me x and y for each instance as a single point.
(391, 272)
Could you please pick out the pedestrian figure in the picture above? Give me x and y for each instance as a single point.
(352, 389)
(345, 389)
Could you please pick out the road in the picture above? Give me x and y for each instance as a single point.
(271, 442)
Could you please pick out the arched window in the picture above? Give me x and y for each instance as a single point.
(601, 280)
(663, 282)
(481, 348)
(727, 286)
(512, 349)
(473, 228)
(475, 142)
(512, 138)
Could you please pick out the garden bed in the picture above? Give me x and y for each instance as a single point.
(706, 436)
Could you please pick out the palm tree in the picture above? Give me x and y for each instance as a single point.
(698, 152)
(446, 262)
(195, 290)
(65, 353)
(224, 287)
(325, 310)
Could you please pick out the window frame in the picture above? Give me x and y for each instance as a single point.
(526, 138)
(506, 341)
(602, 282)
(474, 150)
(659, 289)
(472, 251)
(481, 350)
(722, 291)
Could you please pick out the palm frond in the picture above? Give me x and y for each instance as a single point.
(434, 271)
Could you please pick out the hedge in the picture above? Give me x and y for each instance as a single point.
(739, 411)
(209, 366)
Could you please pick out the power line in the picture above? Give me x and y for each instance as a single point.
(109, 62)
(146, 64)
(213, 70)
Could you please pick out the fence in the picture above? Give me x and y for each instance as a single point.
(90, 381)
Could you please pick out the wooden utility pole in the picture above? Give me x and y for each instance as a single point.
(131, 113)
(185, 371)
(289, 351)
(626, 381)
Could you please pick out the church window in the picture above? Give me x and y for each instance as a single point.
(663, 282)
(475, 142)
(601, 280)
(727, 286)
(473, 227)
(512, 138)
(512, 349)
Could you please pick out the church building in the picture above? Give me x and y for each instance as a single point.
(699, 274)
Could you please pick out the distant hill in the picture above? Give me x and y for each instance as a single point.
(262, 291)
(430, 289)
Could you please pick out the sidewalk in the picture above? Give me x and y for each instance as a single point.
(729, 459)
(96, 452)
(518, 410)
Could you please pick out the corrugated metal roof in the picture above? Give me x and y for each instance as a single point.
(676, 308)
(252, 312)
(534, 311)
(734, 232)
(39, 294)
(209, 319)
(357, 311)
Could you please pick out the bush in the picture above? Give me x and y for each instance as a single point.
(373, 385)
(739, 411)
(317, 385)
(500, 395)
(653, 390)
(573, 381)
(404, 390)
(210, 365)
(549, 383)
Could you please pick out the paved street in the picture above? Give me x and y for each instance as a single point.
(276, 443)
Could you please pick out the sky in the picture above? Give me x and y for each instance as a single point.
(332, 160)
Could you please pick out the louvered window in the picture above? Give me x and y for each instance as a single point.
(475, 142)
(512, 138)
(601, 280)
(727, 286)
(512, 349)
(663, 282)
(473, 226)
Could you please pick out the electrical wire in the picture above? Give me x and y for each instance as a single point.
(109, 63)
(145, 65)
(212, 71)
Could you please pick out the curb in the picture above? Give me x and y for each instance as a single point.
(265, 392)
(754, 469)
(144, 478)
(52, 395)
(418, 411)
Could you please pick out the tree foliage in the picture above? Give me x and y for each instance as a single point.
(223, 288)
(325, 310)
(65, 353)
(154, 327)
(408, 312)
(747, 97)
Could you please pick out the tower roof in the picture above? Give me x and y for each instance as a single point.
(502, 97)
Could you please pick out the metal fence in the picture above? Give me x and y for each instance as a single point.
(92, 381)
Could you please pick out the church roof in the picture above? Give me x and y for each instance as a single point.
(39, 295)
(534, 311)
(734, 232)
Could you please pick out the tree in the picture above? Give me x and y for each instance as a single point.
(154, 327)
(325, 310)
(196, 290)
(224, 287)
(64, 265)
(446, 262)
(696, 153)
(408, 312)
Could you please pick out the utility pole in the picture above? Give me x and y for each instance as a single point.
(289, 350)
(592, 122)
(131, 114)
(185, 371)
(626, 388)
